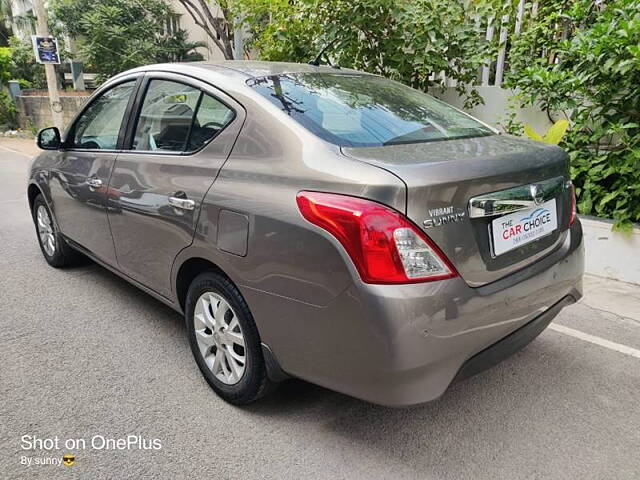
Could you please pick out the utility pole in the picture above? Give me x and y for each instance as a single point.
(49, 70)
(238, 40)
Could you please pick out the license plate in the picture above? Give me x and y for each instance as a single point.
(519, 228)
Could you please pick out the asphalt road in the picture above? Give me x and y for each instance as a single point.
(85, 355)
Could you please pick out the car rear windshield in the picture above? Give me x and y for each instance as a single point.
(356, 110)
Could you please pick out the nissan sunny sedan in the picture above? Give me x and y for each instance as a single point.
(314, 222)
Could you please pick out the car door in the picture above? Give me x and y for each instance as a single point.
(183, 132)
(82, 168)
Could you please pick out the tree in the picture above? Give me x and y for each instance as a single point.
(8, 110)
(24, 67)
(413, 41)
(115, 35)
(5, 65)
(5, 30)
(581, 60)
(218, 28)
(178, 48)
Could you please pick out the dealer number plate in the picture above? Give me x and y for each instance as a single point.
(519, 228)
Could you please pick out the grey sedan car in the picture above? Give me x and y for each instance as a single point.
(314, 222)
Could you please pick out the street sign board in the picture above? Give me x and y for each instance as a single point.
(45, 49)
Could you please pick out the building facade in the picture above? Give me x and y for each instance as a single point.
(196, 34)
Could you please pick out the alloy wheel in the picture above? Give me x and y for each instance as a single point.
(45, 230)
(220, 338)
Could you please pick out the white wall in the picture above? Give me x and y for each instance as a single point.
(197, 34)
(495, 108)
(20, 8)
(611, 254)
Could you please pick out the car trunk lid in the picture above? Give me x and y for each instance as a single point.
(442, 177)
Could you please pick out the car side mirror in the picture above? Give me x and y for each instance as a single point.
(49, 139)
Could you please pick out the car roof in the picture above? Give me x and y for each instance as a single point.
(234, 70)
(254, 68)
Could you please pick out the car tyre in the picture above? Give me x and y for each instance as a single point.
(55, 249)
(224, 340)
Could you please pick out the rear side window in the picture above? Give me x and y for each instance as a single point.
(175, 117)
(355, 110)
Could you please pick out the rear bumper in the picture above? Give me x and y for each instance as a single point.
(401, 345)
(512, 343)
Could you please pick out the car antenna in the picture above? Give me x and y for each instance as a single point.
(316, 61)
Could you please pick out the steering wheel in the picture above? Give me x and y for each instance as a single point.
(90, 145)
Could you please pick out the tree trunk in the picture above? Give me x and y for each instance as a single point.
(219, 29)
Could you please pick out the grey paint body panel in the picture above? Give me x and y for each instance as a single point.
(146, 229)
(449, 173)
(389, 344)
(81, 210)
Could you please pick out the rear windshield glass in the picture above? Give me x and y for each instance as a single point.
(365, 110)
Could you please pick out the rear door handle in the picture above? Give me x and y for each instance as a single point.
(94, 183)
(182, 203)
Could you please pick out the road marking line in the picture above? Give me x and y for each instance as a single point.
(618, 347)
(7, 149)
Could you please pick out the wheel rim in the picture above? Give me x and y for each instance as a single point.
(220, 338)
(45, 230)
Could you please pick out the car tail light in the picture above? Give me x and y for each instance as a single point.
(574, 210)
(382, 243)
